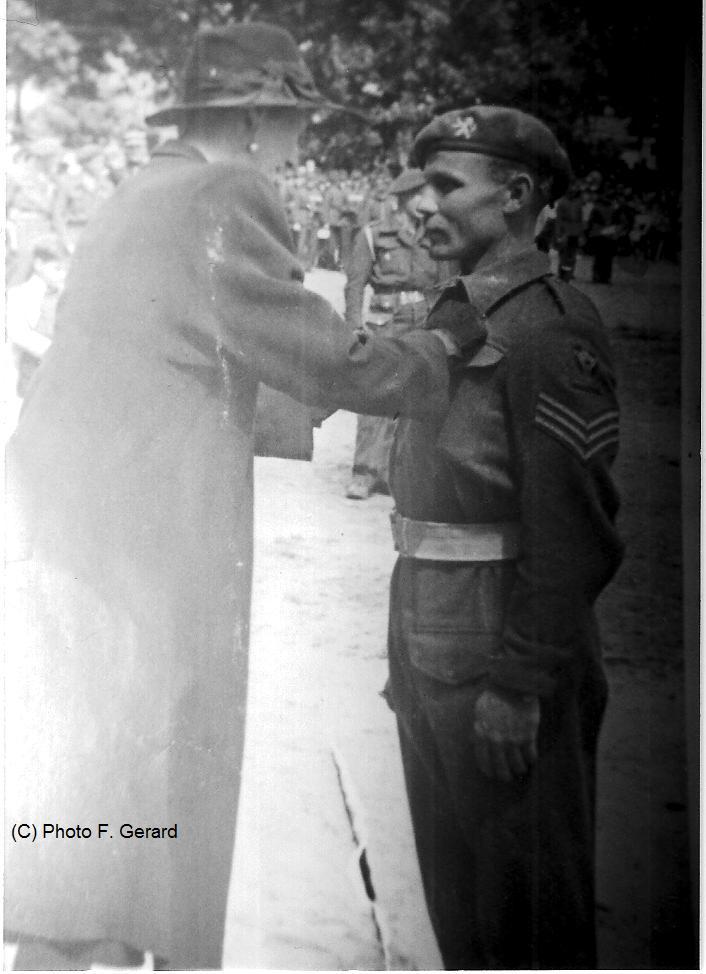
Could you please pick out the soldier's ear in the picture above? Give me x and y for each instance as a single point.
(519, 192)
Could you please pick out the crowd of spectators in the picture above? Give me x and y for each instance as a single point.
(604, 217)
(52, 191)
(326, 211)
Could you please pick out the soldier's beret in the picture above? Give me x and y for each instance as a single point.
(504, 133)
(407, 181)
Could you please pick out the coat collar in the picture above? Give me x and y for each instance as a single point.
(486, 287)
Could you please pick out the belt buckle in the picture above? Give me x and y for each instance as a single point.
(411, 537)
(400, 534)
(396, 530)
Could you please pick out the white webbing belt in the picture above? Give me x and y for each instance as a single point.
(410, 297)
(436, 541)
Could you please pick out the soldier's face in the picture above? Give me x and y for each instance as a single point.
(462, 208)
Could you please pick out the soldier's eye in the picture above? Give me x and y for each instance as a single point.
(444, 184)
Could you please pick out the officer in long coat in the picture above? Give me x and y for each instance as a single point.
(505, 529)
(130, 478)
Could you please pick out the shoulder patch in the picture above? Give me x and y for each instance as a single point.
(585, 438)
(585, 360)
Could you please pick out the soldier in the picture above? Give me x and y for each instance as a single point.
(81, 188)
(504, 526)
(31, 201)
(334, 202)
(392, 257)
(136, 151)
(568, 230)
(130, 479)
(602, 231)
(31, 309)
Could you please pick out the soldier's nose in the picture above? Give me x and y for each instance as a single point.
(427, 201)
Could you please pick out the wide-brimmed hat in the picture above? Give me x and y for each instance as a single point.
(244, 65)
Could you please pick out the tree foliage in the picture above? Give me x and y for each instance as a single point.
(399, 61)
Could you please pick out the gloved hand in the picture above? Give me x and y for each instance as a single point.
(506, 726)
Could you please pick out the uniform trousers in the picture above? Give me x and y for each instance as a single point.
(373, 441)
(508, 869)
(568, 252)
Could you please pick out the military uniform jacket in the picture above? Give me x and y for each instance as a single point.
(530, 437)
(399, 261)
(131, 472)
(569, 217)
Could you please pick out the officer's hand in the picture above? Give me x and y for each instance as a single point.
(505, 730)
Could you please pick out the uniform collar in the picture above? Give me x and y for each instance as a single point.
(179, 149)
(486, 287)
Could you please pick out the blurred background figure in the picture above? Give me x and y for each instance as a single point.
(32, 178)
(602, 233)
(545, 229)
(31, 310)
(391, 257)
(568, 231)
(135, 149)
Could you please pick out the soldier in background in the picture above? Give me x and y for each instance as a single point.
(334, 203)
(391, 256)
(602, 232)
(136, 149)
(568, 230)
(83, 184)
(31, 202)
(31, 310)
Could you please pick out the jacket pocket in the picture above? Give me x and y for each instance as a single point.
(392, 261)
(457, 615)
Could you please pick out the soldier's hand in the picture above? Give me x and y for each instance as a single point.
(506, 726)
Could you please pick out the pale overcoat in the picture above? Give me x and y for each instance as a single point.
(130, 479)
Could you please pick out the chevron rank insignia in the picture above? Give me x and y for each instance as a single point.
(584, 437)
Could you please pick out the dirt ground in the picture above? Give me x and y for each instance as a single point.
(322, 776)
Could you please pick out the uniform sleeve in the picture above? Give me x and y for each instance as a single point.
(564, 424)
(266, 322)
(358, 273)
